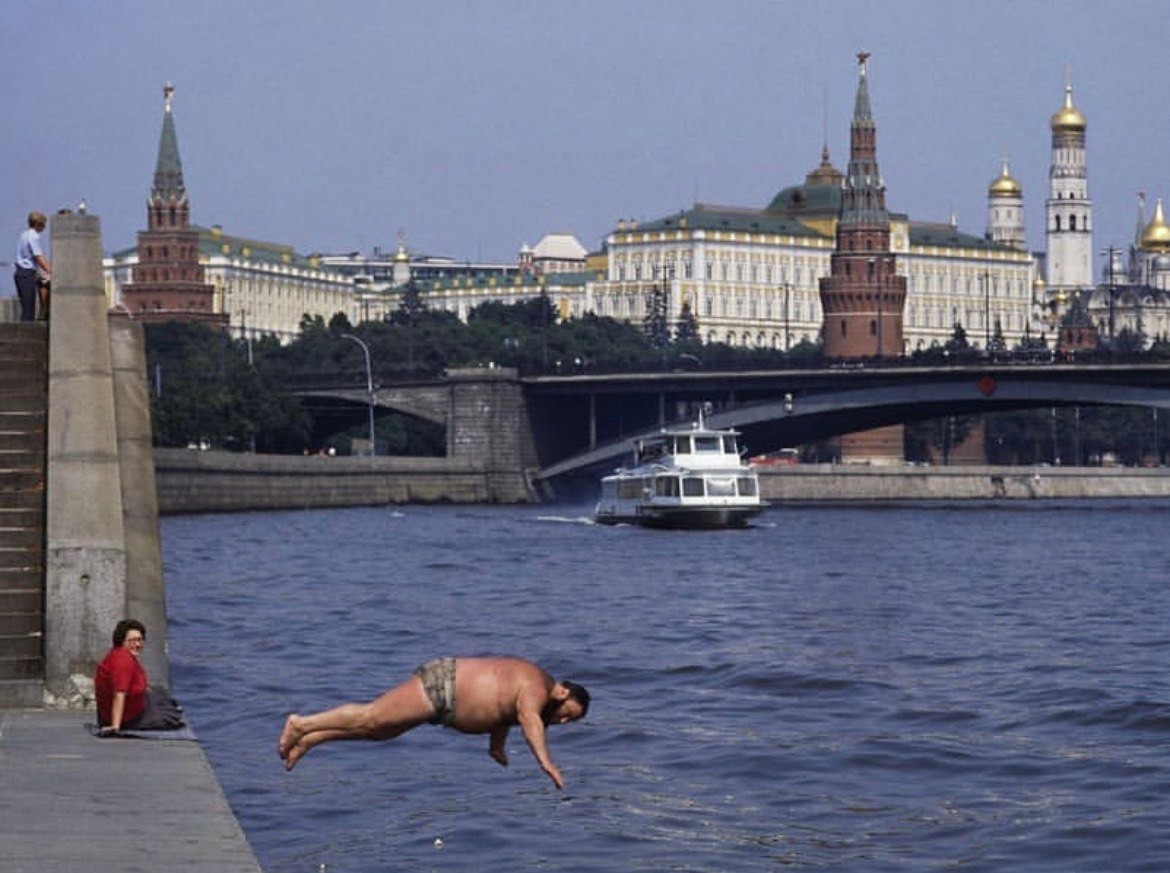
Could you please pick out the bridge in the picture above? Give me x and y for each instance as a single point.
(581, 423)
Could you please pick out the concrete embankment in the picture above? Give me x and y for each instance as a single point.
(71, 802)
(192, 481)
(829, 482)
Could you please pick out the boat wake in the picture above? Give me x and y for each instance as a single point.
(565, 519)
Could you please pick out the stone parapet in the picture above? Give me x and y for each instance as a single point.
(842, 482)
(192, 481)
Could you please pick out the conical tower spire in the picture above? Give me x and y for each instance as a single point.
(864, 200)
(861, 107)
(168, 169)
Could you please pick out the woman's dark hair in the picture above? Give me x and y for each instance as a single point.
(579, 694)
(124, 627)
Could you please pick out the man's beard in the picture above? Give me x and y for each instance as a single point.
(549, 713)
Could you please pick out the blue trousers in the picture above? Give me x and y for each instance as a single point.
(26, 290)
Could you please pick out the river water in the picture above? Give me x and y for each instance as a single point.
(894, 687)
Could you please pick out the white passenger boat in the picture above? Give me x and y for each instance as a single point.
(690, 476)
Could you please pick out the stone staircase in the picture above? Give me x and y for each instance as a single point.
(23, 419)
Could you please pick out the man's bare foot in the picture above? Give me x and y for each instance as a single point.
(295, 754)
(289, 737)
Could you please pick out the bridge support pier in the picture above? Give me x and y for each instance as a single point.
(487, 423)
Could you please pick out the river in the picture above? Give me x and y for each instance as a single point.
(887, 687)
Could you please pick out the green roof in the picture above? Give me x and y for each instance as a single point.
(812, 200)
(924, 233)
(725, 218)
(212, 243)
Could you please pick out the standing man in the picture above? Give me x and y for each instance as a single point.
(31, 264)
(471, 695)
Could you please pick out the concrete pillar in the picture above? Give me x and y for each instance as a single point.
(145, 591)
(85, 557)
(488, 423)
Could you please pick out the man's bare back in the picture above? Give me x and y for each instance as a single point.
(490, 696)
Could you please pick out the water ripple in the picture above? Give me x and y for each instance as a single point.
(897, 687)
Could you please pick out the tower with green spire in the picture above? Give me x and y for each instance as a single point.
(168, 282)
(863, 297)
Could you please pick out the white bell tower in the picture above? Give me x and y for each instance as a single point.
(1068, 210)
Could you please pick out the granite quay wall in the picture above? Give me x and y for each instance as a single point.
(831, 482)
(192, 481)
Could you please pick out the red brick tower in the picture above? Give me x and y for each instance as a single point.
(167, 283)
(862, 297)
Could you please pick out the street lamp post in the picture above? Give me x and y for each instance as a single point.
(986, 311)
(369, 388)
(787, 323)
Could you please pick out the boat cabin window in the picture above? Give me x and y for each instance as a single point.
(630, 489)
(707, 444)
(683, 446)
(652, 450)
(692, 487)
(729, 445)
(609, 490)
(722, 487)
(666, 486)
(747, 486)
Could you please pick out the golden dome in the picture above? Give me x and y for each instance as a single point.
(1004, 185)
(1069, 118)
(1156, 236)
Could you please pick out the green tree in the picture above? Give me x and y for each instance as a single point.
(687, 329)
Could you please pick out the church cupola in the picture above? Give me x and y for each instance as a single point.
(1005, 210)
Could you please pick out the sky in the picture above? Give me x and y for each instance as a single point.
(473, 127)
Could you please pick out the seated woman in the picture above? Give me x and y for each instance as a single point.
(123, 694)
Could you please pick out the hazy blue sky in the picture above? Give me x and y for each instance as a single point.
(477, 126)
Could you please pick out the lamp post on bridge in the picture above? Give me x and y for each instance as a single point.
(986, 311)
(369, 388)
(787, 323)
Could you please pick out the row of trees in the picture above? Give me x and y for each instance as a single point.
(210, 389)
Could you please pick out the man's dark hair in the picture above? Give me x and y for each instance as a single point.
(579, 694)
(124, 627)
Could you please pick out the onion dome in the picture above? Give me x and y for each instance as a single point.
(1156, 236)
(1162, 264)
(1004, 185)
(1069, 118)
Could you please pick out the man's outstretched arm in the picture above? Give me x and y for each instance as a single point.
(533, 727)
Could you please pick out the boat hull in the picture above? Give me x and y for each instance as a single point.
(684, 517)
